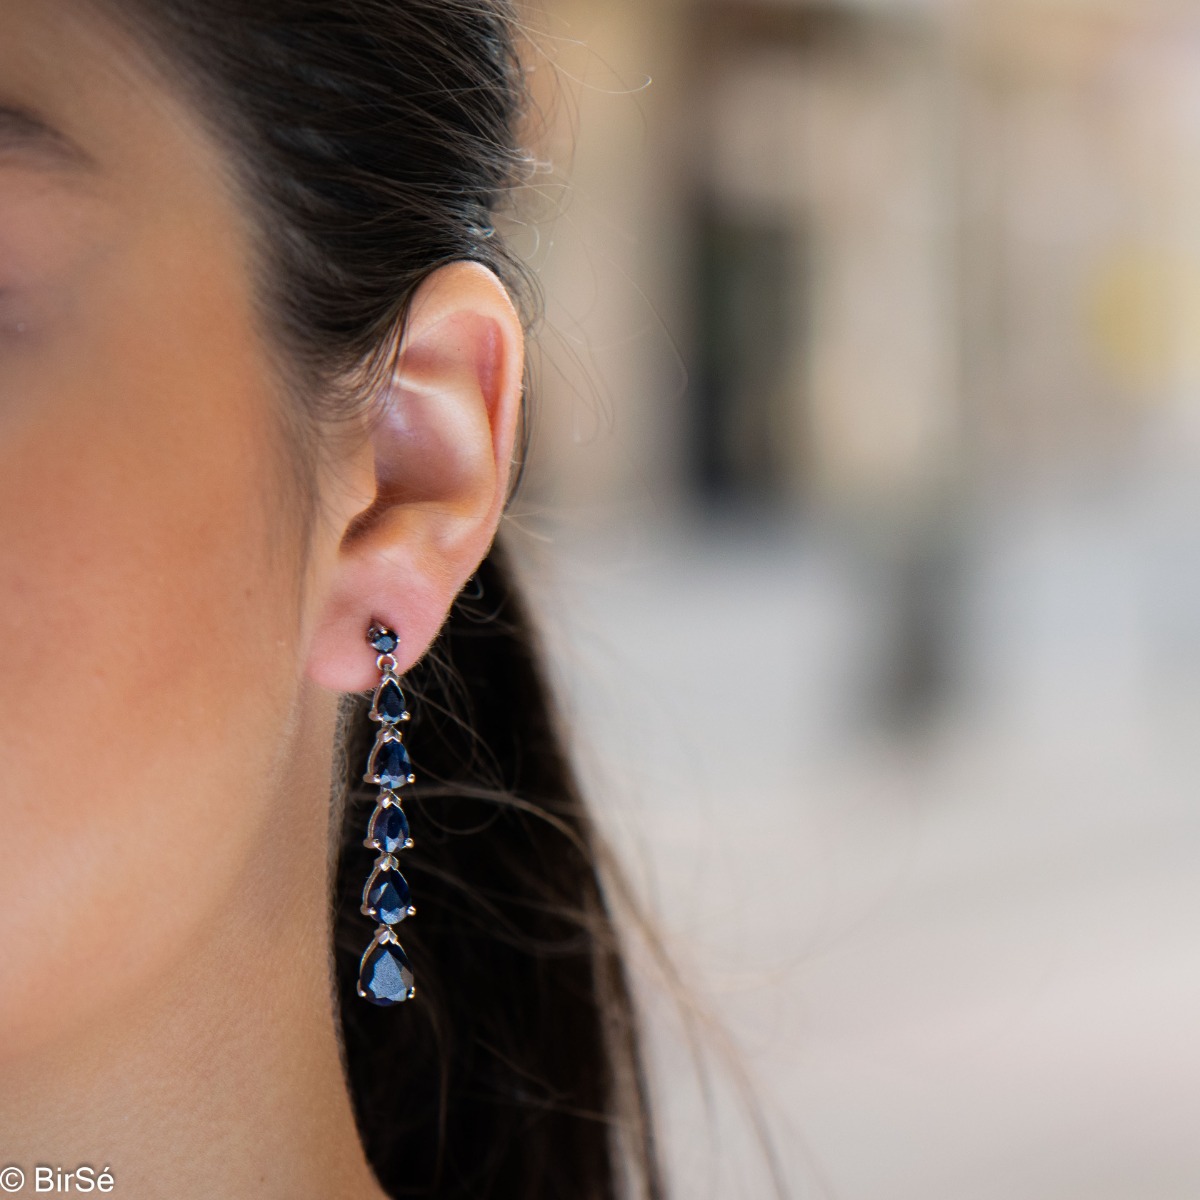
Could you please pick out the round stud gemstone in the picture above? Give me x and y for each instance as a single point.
(382, 638)
(389, 702)
(389, 829)
(385, 976)
(386, 896)
(390, 765)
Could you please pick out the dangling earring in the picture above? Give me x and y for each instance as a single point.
(384, 975)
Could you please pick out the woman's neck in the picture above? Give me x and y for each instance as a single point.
(224, 1077)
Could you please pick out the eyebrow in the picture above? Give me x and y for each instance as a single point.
(22, 129)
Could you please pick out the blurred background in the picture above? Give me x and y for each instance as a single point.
(863, 517)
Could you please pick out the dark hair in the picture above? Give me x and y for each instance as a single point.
(375, 140)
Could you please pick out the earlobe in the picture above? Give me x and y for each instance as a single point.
(441, 448)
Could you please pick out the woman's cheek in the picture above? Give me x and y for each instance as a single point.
(141, 624)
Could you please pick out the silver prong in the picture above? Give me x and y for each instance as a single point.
(412, 910)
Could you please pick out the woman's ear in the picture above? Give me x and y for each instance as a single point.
(435, 474)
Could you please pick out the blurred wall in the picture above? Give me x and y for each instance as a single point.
(864, 510)
(865, 257)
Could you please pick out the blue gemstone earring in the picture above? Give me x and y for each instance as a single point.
(384, 975)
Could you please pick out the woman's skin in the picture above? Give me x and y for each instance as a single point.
(170, 655)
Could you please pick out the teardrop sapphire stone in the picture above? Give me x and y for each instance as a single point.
(389, 702)
(389, 829)
(390, 764)
(387, 897)
(385, 976)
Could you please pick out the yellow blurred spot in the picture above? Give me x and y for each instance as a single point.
(1143, 310)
